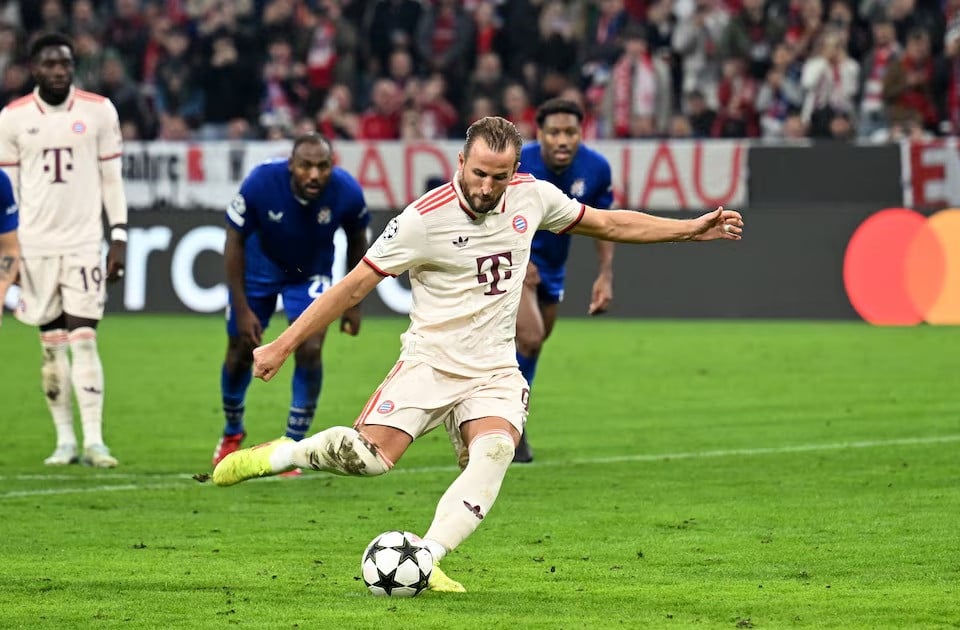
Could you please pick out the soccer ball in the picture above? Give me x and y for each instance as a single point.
(396, 564)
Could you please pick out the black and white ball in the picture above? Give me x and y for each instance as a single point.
(396, 564)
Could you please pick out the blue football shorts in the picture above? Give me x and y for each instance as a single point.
(550, 289)
(262, 298)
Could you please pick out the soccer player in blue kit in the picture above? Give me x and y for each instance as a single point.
(280, 230)
(9, 245)
(559, 158)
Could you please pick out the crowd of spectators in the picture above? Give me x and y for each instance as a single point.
(409, 69)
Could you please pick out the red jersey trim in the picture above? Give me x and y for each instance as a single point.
(5, 164)
(522, 178)
(385, 274)
(110, 157)
(437, 202)
(583, 210)
(466, 210)
(430, 197)
(375, 398)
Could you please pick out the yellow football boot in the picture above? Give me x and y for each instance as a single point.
(248, 463)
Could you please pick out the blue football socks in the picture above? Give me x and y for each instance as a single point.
(233, 390)
(306, 390)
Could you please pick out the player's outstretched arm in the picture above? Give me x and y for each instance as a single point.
(331, 304)
(626, 226)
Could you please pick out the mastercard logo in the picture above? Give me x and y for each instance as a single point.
(902, 268)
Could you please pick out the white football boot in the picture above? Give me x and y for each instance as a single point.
(98, 456)
(63, 455)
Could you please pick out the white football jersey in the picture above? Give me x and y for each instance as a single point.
(53, 156)
(467, 270)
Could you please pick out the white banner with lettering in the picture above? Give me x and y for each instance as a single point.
(648, 175)
(931, 173)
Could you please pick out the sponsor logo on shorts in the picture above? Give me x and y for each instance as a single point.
(520, 223)
(386, 407)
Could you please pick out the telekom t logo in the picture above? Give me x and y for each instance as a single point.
(61, 159)
(493, 276)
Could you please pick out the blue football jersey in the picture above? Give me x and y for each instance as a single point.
(9, 219)
(587, 180)
(285, 238)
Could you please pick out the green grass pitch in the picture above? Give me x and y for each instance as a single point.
(687, 474)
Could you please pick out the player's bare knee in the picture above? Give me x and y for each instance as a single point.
(529, 340)
(532, 278)
(309, 354)
(237, 363)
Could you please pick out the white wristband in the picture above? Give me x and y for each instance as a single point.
(118, 234)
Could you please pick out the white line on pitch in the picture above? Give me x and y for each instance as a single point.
(775, 450)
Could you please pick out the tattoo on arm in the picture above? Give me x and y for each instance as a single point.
(6, 264)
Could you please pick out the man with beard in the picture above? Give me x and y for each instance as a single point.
(466, 245)
(280, 230)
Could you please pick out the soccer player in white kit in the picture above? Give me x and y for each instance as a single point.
(61, 147)
(466, 245)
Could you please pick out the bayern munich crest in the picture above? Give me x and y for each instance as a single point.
(385, 407)
(520, 223)
(79, 127)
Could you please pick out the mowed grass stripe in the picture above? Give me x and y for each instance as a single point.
(639, 458)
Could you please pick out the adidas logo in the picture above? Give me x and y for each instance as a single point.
(461, 242)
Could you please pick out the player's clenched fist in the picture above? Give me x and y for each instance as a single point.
(267, 361)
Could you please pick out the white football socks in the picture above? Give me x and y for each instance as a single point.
(55, 377)
(339, 450)
(471, 495)
(87, 374)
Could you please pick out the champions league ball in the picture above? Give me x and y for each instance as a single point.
(396, 564)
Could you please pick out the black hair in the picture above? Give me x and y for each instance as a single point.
(46, 40)
(558, 106)
(311, 137)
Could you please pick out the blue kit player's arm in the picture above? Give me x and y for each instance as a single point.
(355, 225)
(602, 292)
(241, 223)
(9, 245)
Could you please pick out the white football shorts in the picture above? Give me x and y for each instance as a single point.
(74, 283)
(416, 398)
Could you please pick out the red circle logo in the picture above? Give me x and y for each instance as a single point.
(901, 268)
